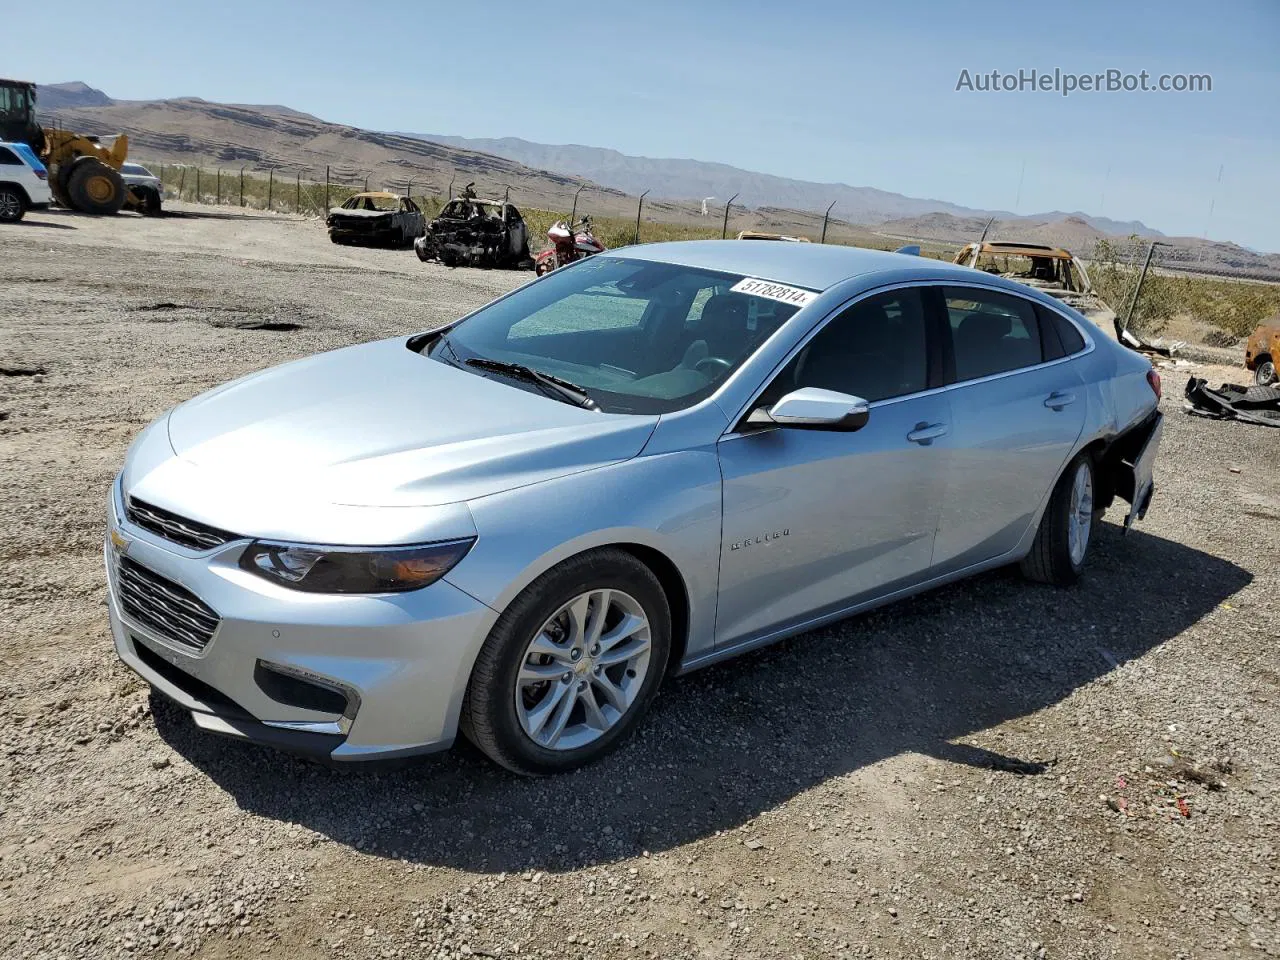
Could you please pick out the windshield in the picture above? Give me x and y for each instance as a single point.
(636, 336)
(372, 203)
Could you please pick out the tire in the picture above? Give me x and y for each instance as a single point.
(1062, 542)
(511, 680)
(1264, 373)
(151, 204)
(13, 205)
(421, 250)
(96, 188)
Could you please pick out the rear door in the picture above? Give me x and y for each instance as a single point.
(814, 520)
(1017, 406)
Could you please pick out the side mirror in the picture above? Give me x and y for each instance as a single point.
(812, 408)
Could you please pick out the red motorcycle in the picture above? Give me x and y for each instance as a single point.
(567, 245)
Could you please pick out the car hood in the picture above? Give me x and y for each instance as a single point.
(381, 425)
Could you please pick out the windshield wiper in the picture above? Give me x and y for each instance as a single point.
(552, 386)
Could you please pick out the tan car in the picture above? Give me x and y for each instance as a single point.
(1261, 351)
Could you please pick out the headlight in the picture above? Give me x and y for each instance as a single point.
(318, 569)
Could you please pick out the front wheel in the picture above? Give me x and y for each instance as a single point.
(571, 665)
(1066, 530)
(1264, 374)
(96, 188)
(13, 205)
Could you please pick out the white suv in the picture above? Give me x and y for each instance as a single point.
(24, 182)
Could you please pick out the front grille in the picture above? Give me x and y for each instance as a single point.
(158, 603)
(163, 523)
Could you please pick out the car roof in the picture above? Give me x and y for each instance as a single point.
(1017, 248)
(814, 266)
(24, 153)
(378, 195)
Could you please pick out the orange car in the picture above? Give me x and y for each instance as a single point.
(1262, 351)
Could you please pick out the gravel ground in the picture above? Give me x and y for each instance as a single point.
(991, 770)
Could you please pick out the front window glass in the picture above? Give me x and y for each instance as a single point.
(875, 350)
(637, 336)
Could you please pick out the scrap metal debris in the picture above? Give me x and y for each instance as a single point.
(1233, 401)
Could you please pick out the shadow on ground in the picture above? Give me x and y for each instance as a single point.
(725, 744)
(47, 224)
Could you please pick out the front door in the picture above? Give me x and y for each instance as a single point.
(815, 521)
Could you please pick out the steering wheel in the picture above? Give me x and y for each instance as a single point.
(717, 365)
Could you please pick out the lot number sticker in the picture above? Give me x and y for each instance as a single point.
(774, 291)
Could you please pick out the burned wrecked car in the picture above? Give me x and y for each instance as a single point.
(474, 232)
(382, 219)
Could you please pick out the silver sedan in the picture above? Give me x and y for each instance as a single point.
(645, 463)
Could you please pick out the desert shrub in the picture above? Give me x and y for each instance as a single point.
(1234, 306)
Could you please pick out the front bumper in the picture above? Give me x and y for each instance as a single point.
(391, 670)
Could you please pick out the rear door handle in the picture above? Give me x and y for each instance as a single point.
(1059, 399)
(925, 433)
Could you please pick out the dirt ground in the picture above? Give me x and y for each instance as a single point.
(991, 770)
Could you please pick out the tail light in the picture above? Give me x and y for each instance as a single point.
(41, 174)
(1153, 379)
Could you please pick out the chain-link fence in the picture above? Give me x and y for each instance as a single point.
(298, 191)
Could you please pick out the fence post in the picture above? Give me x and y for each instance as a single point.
(197, 184)
(219, 194)
(825, 217)
(450, 196)
(182, 181)
(724, 230)
(409, 190)
(242, 186)
(297, 194)
(271, 185)
(326, 189)
(366, 183)
(1138, 289)
(639, 207)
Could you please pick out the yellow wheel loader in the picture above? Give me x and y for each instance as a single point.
(83, 174)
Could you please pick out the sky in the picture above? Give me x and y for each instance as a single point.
(860, 93)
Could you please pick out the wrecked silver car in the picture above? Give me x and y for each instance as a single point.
(381, 219)
(474, 232)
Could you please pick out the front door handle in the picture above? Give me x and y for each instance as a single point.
(925, 433)
(1059, 399)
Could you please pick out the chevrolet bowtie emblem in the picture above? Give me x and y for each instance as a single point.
(119, 543)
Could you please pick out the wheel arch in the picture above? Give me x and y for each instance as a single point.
(22, 191)
(676, 590)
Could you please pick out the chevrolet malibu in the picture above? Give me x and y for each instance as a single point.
(655, 459)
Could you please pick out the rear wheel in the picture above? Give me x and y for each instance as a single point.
(13, 205)
(1066, 530)
(1264, 374)
(96, 188)
(571, 665)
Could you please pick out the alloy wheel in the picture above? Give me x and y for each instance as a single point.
(1080, 518)
(583, 669)
(1265, 374)
(10, 205)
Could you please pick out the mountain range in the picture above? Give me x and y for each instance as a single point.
(193, 131)
(696, 178)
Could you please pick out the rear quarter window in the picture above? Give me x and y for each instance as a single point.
(1060, 336)
(9, 159)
